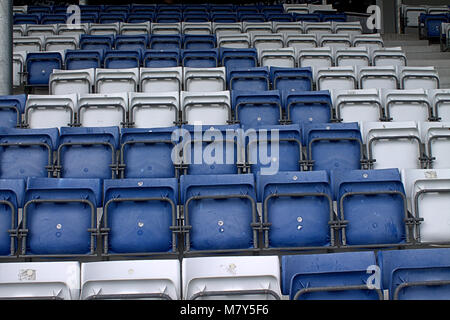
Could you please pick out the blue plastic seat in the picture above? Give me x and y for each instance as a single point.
(199, 42)
(40, 66)
(174, 17)
(247, 9)
(219, 153)
(257, 108)
(88, 153)
(196, 17)
(238, 58)
(309, 225)
(140, 17)
(274, 148)
(372, 204)
(131, 42)
(53, 19)
(59, 217)
(209, 226)
(337, 17)
(332, 276)
(200, 58)
(27, 152)
(222, 8)
(251, 17)
(11, 109)
(91, 8)
(161, 58)
(303, 107)
(248, 79)
(11, 199)
(105, 17)
(433, 25)
(143, 8)
(147, 153)
(291, 79)
(96, 42)
(26, 19)
(272, 9)
(224, 17)
(122, 59)
(416, 274)
(279, 17)
(117, 8)
(39, 9)
(172, 8)
(333, 146)
(309, 17)
(140, 215)
(83, 59)
(165, 42)
(89, 18)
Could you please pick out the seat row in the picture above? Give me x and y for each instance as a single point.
(148, 217)
(409, 14)
(332, 276)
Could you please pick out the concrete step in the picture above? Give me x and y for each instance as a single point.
(405, 43)
(428, 56)
(444, 72)
(443, 63)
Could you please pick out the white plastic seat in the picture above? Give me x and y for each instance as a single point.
(393, 144)
(336, 41)
(104, 28)
(73, 29)
(300, 42)
(135, 28)
(436, 138)
(438, 10)
(206, 108)
(358, 105)
(40, 280)
(41, 30)
(370, 41)
(267, 41)
(336, 78)
(320, 7)
(428, 196)
(204, 79)
(226, 28)
(116, 80)
(348, 28)
(440, 99)
(288, 27)
(154, 109)
(295, 8)
(411, 14)
(282, 57)
(19, 30)
(419, 77)
(19, 59)
(407, 105)
(388, 57)
(71, 81)
(318, 28)
(161, 79)
(233, 40)
(102, 110)
(50, 111)
(256, 278)
(166, 28)
(131, 279)
(30, 44)
(257, 27)
(315, 58)
(20, 9)
(196, 27)
(57, 43)
(352, 57)
(378, 78)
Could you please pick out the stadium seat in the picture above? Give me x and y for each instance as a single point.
(352, 57)
(96, 42)
(19, 30)
(372, 207)
(291, 79)
(133, 210)
(428, 196)
(257, 27)
(207, 226)
(150, 279)
(287, 27)
(102, 110)
(415, 274)
(161, 79)
(300, 41)
(358, 105)
(350, 28)
(407, 105)
(389, 57)
(71, 81)
(135, 28)
(40, 280)
(267, 41)
(40, 65)
(72, 29)
(238, 58)
(200, 58)
(307, 17)
(393, 145)
(88, 153)
(220, 150)
(235, 41)
(335, 41)
(11, 110)
(40, 30)
(110, 18)
(282, 57)
(210, 278)
(204, 79)
(18, 61)
(435, 137)
(45, 111)
(310, 193)
(11, 199)
(419, 78)
(159, 28)
(207, 108)
(28, 44)
(83, 59)
(131, 42)
(410, 15)
(224, 17)
(336, 78)
(317, 28)
(332, 146)
(161, 58)
(153, 109)
(219, 28)
(116, 80)
(333, 276)
(71, 232)
(197, 28)
(257, 108)
(165, 42)
(307, 107)
(137, 144)
(169, 18)
(378, 78)
(122, 59)
(26, 19)
(199, 42)
(315, 58)
(370, 41)
(60, 43)
(440, 99)
(248, 79)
